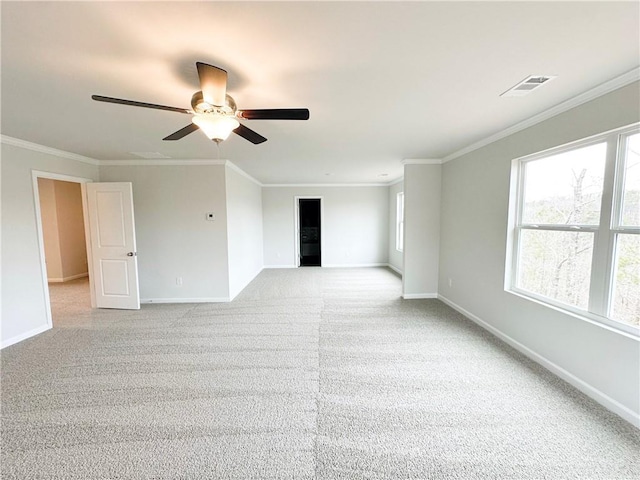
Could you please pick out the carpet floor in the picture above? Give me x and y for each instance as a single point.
(308, 374)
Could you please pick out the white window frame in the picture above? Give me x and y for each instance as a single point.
(400, 221)
(605, 233)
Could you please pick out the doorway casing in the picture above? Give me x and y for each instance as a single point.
(35, 175)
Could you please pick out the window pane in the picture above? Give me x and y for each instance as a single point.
(556, 265)
(566, 188)
(631, 190)
(400, 221)
(626, 296)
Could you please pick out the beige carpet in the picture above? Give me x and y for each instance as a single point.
(309, 374)
(70, 302)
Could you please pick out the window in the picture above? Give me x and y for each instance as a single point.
(625, 304)
(400, 221)
(575, 238)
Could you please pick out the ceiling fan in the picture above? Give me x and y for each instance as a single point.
(214, 111)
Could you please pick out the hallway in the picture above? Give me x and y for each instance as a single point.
(70, 303)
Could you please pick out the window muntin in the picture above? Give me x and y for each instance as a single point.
(576, 234)
(400, 222)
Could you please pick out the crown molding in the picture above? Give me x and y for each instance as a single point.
(159, 162)
(163, 162)
(600, 90)
(393, 182)
(237, 169)
(421, 161)
(16, 142)
(311, 185)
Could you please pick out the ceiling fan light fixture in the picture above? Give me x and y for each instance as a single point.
(214, 111)
(216, 127)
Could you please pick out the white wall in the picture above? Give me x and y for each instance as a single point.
(244, 230)
(24, 310)
(355, 229)
(396, 258)
(422, 183)
(475, 199)
(174, 239)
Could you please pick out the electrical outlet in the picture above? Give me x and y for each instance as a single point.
(179, 281)
(450, 283)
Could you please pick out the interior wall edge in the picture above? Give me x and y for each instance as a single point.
(233, 295)
(25, 335)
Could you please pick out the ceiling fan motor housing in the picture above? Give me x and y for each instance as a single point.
(199, 105)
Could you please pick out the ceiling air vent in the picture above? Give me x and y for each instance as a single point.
(528, 85)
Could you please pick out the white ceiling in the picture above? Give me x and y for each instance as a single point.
(383, 81)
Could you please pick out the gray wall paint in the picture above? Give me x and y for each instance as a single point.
(174, 239)
(355, 229)
(421, 230)
(24, 310)
(475, 200)
(395, 257)
(244, 230)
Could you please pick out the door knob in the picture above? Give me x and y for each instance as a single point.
(131, 254)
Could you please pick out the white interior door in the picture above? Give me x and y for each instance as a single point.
(113, 245)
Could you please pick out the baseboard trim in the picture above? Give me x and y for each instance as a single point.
(417, 296)
(186, 300)
(341, 265)
(586, 388)
(397, 270)
(24, 336)
(67, 279)
(354, 265)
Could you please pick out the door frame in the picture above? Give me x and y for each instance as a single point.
(296, 229)
(35, 175)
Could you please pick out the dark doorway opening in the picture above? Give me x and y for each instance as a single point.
(309, 211)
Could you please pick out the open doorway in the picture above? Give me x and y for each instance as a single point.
(309, 220)
(63, 247)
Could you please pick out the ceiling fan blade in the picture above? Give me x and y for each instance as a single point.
(183, 132)
(275, 114)
(213, 83)
(248, 134)
(100, 98)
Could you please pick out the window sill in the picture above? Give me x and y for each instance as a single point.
(629, 331)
